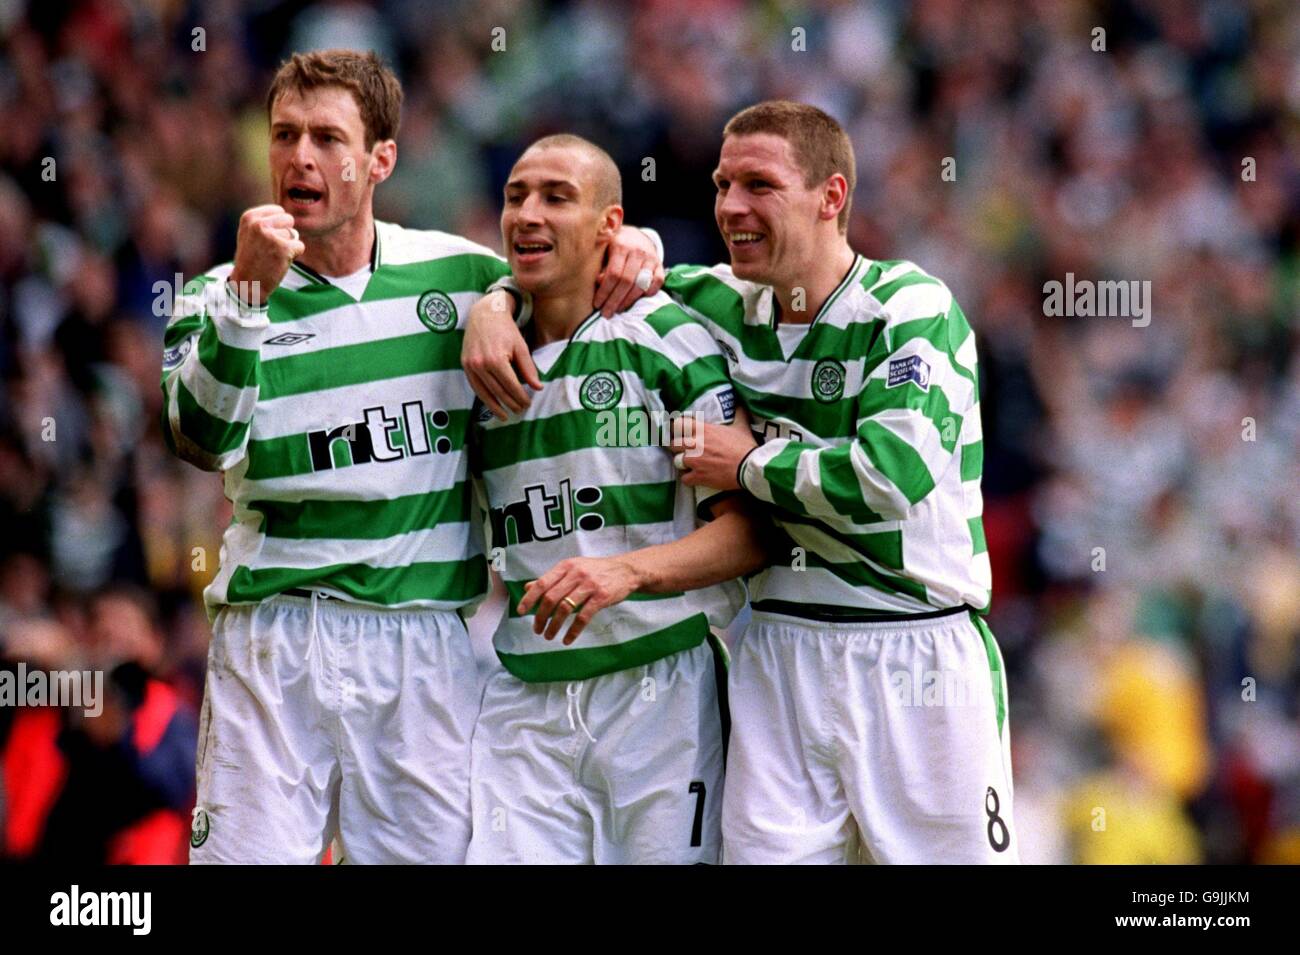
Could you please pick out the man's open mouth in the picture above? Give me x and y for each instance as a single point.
(532, 249)
(744, 238)
(304, 196)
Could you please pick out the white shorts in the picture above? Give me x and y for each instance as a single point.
(323, 716)
(876, 742)
(622, 768)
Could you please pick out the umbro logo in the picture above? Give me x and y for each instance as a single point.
(290, 338)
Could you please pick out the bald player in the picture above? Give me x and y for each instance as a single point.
(861, 377)
(605, 744)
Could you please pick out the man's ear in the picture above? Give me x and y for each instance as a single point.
(835, 192)
(611, 220)
(383, 156)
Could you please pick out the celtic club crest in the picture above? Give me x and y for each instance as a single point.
(437, 311)
(828, 381)
(600, 390)
(199, 827)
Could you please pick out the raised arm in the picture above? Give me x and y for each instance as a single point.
(496, 358)
(493, 353)
(212, 346)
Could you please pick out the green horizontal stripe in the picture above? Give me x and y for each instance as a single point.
(946, 333)
(364, 520)
(515, 593)
(619, 505)
(229, 365)
(289, 305)
(873, 273)
(668, 318)
(365, 362)
(544, 438)
(721, 304)
(181, 329)
(466, 272)
(678, 386)
(195, 285)
(780, 474)
(847, 344)
(863, 575)
(839, 479)
(278, 457)
(933, 403)
(451, 274)
(883, 293)
(883, 547)
(898, 461)
(552, 666)
(206, 430)
(835, 420)
(453, 581)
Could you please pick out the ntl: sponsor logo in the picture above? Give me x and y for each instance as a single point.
(84, 688)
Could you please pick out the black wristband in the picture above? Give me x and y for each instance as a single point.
(740, 470)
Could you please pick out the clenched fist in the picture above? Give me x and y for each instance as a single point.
(267, 242)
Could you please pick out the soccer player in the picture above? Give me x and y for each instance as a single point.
(868, 699)
(606, 744)
(320, 373)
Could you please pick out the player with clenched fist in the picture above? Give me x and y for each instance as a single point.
(320, 372)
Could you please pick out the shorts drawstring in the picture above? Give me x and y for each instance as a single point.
(571, 691)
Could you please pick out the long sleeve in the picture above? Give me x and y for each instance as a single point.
(919, 383)
(211, 358)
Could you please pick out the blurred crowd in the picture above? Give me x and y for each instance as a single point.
(1142, 484)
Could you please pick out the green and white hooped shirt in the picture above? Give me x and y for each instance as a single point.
(871, 448)
(583, 472)
(340, 424)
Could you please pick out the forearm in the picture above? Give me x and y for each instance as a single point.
(211, 361)
(879, 476)
(723, 549)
